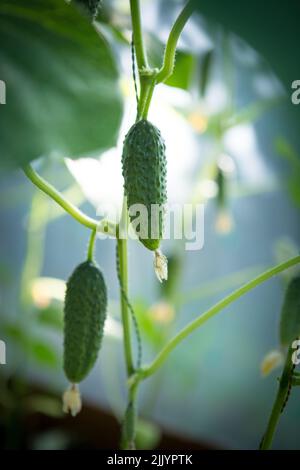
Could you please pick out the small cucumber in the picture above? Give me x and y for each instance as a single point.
(144, 171)
(84, 317)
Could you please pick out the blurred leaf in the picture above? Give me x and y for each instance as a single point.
(42, 353)
(294, 189)
(184, 66)
(51, 316)
(46, 405)
(287, 151)
(252, 112)
(290, 313)
(169, 288)
(183, 71)
(60, 76)
(14, 332)
(240, 16)
(36, 348)
(152, 332)
(205, 71)
(285, 249)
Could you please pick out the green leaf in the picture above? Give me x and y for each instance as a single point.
(42, 353)
(184, 66)
(290, 314)
(34, 347)
(205, 71)
(273, 33)
(62, 93)
(47, 405)
(51, 316)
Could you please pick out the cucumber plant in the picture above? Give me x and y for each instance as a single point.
(144, 171)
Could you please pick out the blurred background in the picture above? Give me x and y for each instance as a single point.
(232, 144)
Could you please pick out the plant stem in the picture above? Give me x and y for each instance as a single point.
(147, 89)
(104, 226)
(280, 401)
(122, 252)
(123, 278)
(140, 50)
(191, 327)
(91, 247)
(130, 418)
(170, 51)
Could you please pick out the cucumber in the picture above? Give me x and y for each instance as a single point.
(84, 318)
(144, 170)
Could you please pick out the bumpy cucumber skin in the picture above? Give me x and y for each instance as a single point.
(144, 171)
(84, 317)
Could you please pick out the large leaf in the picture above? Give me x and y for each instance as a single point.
(184, 67)
(270, 27)
(62, 91)
(290, 314)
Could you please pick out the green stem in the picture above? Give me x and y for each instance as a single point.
(280, 401)
(191, 327)
(140, 50)
(170, 51)
(104, 226)
(146, 96)
(91, 247)
(123, 277)
(130, 418)
(122, 251)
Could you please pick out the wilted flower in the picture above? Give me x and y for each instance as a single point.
(271, 361)
(160, 266)
(72, 400)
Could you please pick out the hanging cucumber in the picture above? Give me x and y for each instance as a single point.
(84, 317)
(144, 172)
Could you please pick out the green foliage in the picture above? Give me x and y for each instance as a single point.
(60, 75)
(184, 67)
(205, 71)
(91, 6)
(290, 313)
(51, 316)
(85, 314)
(35, 347)
(144, 172)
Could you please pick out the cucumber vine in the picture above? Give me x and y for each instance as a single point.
(149, 78)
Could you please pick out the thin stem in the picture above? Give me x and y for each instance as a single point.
(285, 384)
(191, 327)
(146, 98)
(123, 277)
(91, 247)
(170, 51)
(140, 50)
(104, 226)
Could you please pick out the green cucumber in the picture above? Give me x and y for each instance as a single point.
(144, 169)
(84, 317)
